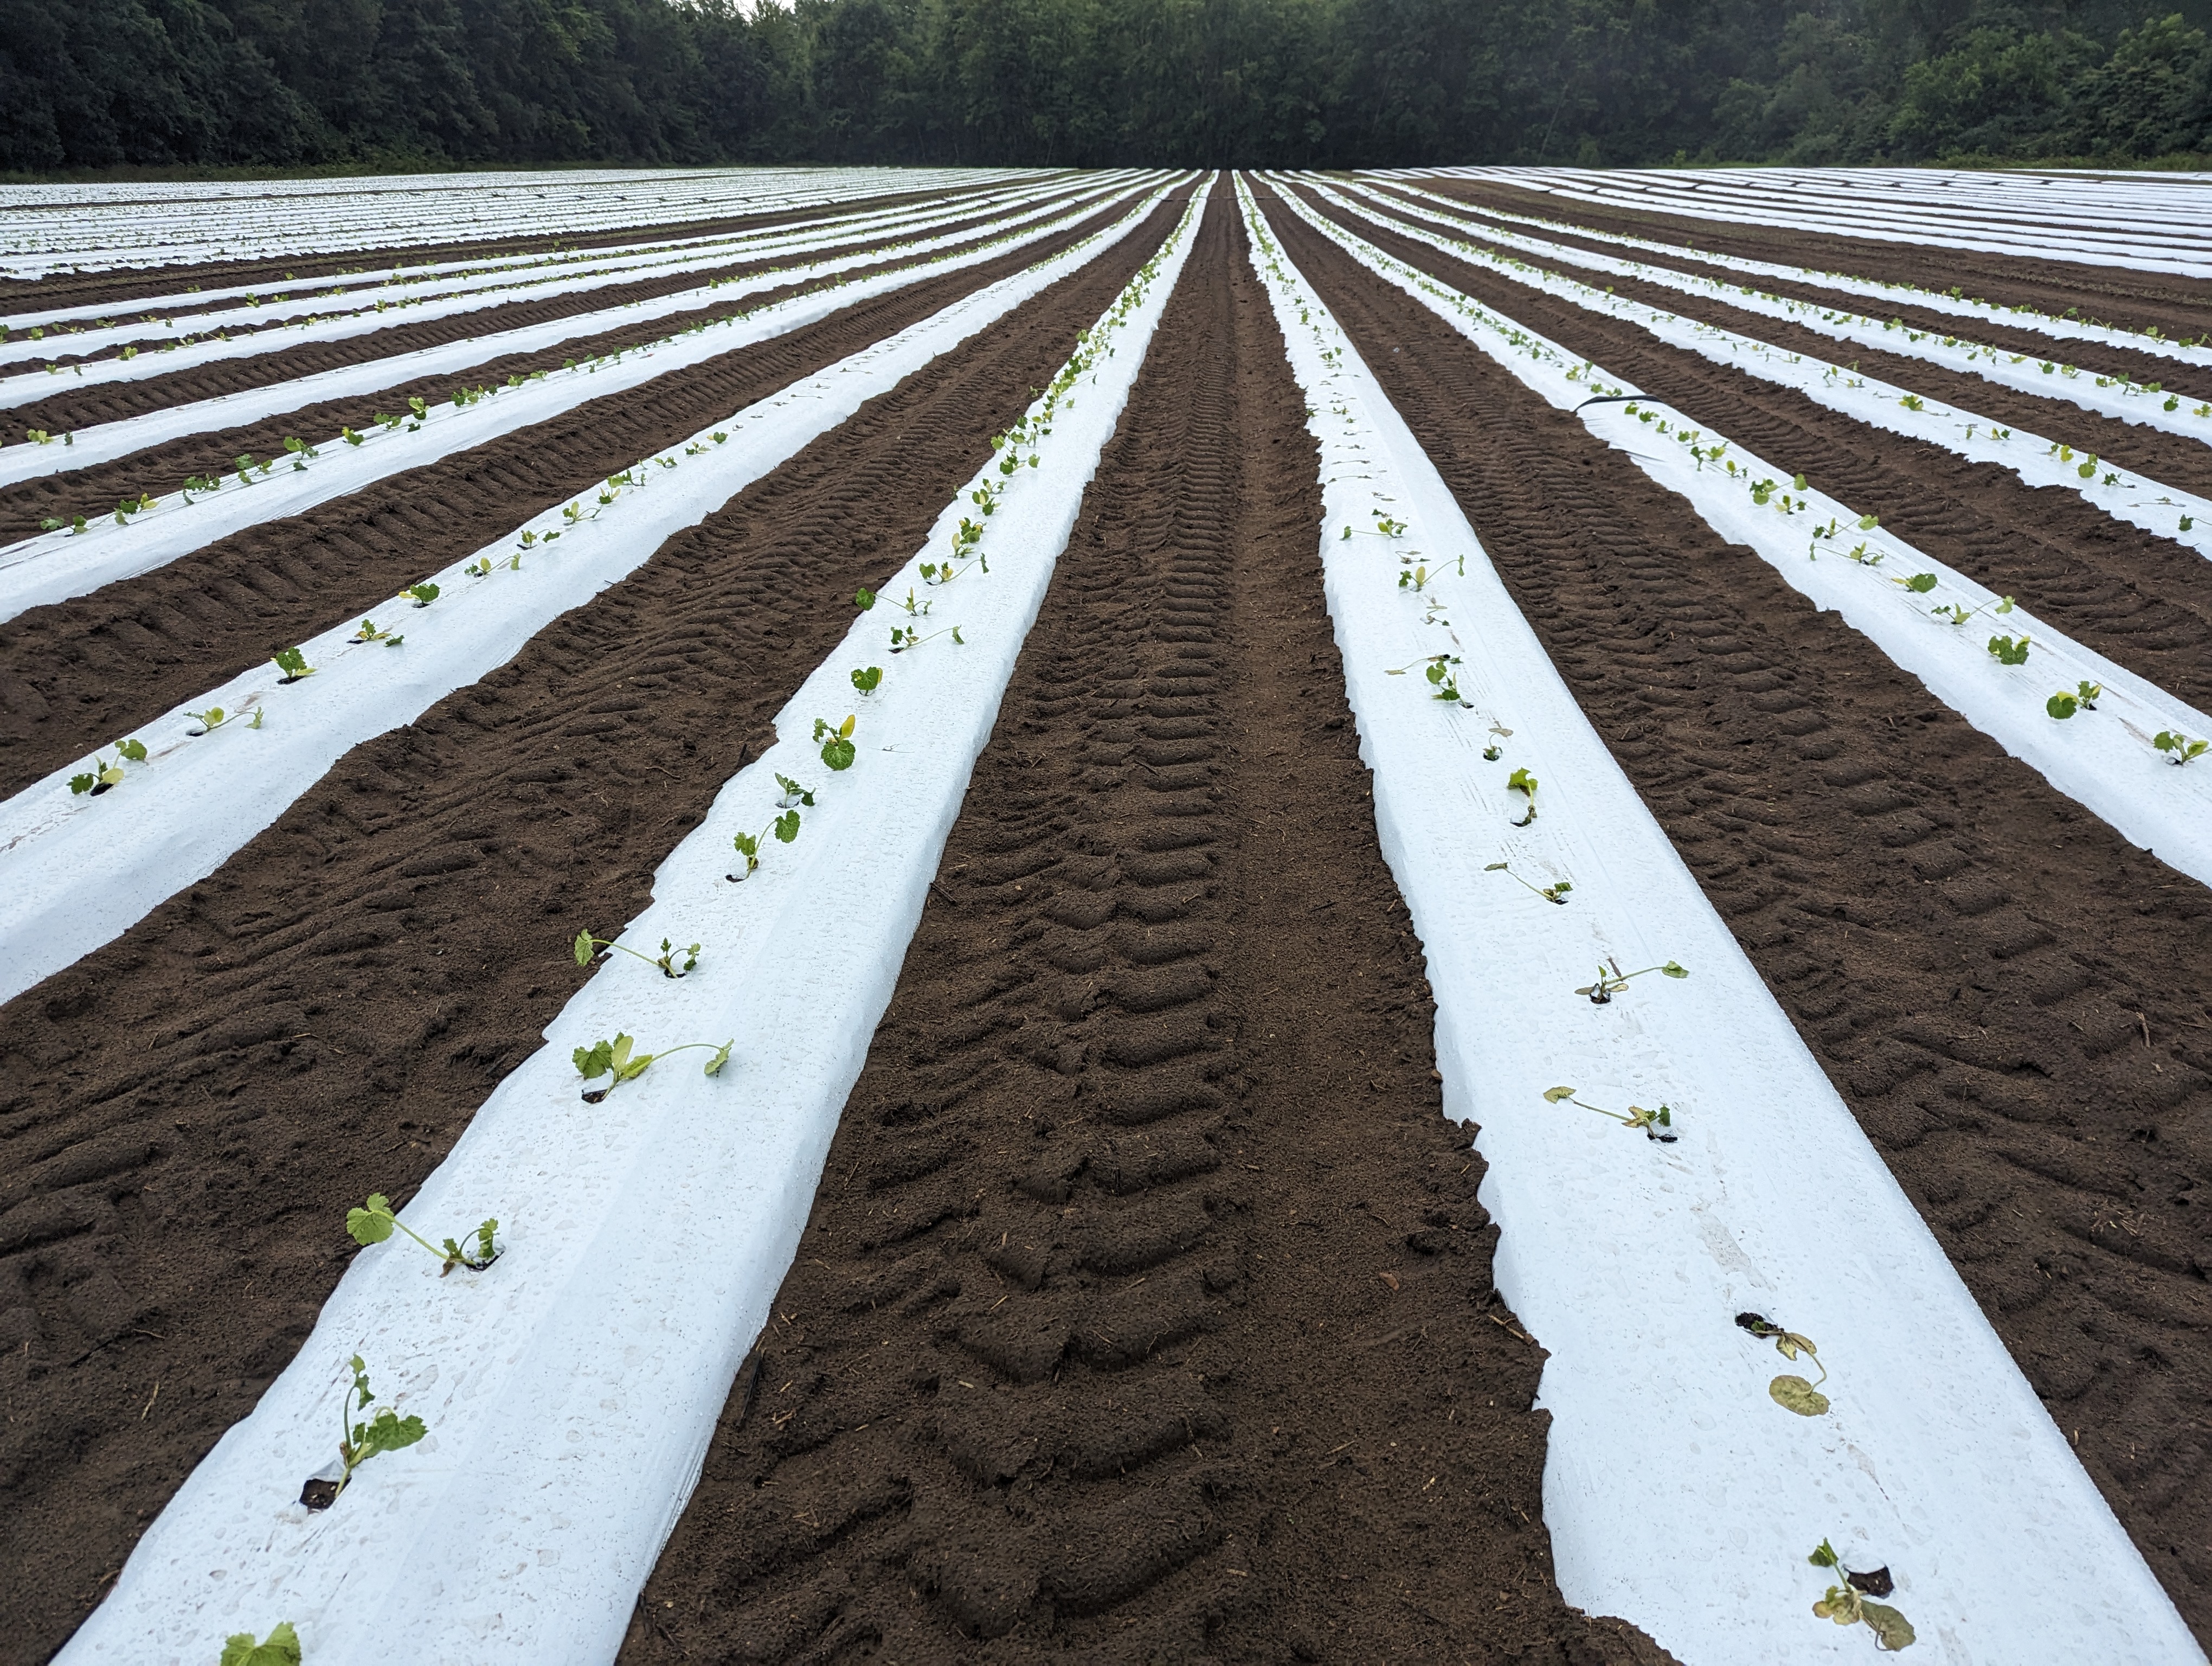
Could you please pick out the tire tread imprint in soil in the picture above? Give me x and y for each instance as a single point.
(192, 1110)
(2013, 1001)
(79, 674)
(1144, 1313)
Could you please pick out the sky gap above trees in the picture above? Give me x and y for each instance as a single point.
(377, 83)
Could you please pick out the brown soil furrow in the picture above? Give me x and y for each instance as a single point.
(122, 287)
(69, 409)
(2143, 601)
(190, 1110)
(162, 468)
(1239, 1386)
(2193, 381)
(2013, 1001)
(2106, 295)
(81, 673)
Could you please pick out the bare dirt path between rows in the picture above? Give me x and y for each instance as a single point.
(190, 1110)
(163, 467)
(1144, 1311)
(2106, 295)
(2015, 1001)
(121, 286)
(79, 674)
(71, 408)
(2143, 601)
(2193, 381)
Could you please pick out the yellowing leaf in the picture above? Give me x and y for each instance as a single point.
(1794, 1394)
(1554, 1095)
(1892, 1630)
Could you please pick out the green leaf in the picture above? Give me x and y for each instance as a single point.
(787, 826)
(586, 947)
(1670, 970)
(1521, 782)
(2061, 706)
(387, 1431)
(1868, 523)
(1824, 1555)
(371, 1225)
(1892, 1630)
(133, 749)
(593, 1061)
(868, 681)
(83, 784)
(839, 753)
(721, 1057)
(864, 599)
(1794, 1394)
(1921, 583)
(281, 1649)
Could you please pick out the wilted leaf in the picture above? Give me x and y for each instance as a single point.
(1841, 1605)
(1892, 1630)
(1794, 1394)
(1554, 1095)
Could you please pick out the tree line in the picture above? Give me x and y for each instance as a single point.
(94, 84)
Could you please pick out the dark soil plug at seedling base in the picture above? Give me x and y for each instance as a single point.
(1656, 1124)
(375, 1222)
(615, 1063)
(387, 1431)
(587, 945)
(1847, 1604)
(1551, 893)
(1611, 980)
(1792, 1394)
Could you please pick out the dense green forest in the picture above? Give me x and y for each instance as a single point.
(87, 84)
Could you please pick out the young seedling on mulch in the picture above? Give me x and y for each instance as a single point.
(1791, 1393)
(420, 594)
(211, 720)
(616, 1061)
(387, 1431)
(587, 946)
(907, 639)
(369, 633)
(1656, 1124)
(1552, 893)
(105, 774)
(866, 682)
(2007, 651)
(1847, 1604)
(2063, 705)
(1611, 980)
(293, 664)
(784, 827)
(793, 794)
(2179, 747)
(836, 741)
(1521, 781)
(375, 1221)
(281, 1648)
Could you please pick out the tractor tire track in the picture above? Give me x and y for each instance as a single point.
(1144, 1311)
(2015, 1002)
(189, 1111)
(77, 675)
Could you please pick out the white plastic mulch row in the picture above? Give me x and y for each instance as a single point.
(1933, 301)
(206, 337)
(2105, 757)
(1857, 202)
(108, 442)
(2116, 395)
(570, 1390)
(1679, 1495)
(55, 566)
(48, 228)
(78, 870)
(2168, 511)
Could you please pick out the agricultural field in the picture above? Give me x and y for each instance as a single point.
(827, 914)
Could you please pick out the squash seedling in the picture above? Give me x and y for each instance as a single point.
(2063, 705)
(905, 640)
(281, 1648)
(616, 1061)
(1551, 893)
(293, 664)
(1847, 1604)
(1521, 781)
(587, 946)
(2007, 651)
(210, 719)
(2179, 747)
(376, 1220)
(1657, 1125)
(387, 1431)
(793, 794)
(105, 774)
(369, 633)
(1791, 1393)
(421, 595)
(1611, 980)
(837, 749)
(866, 682)
(784, 827)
